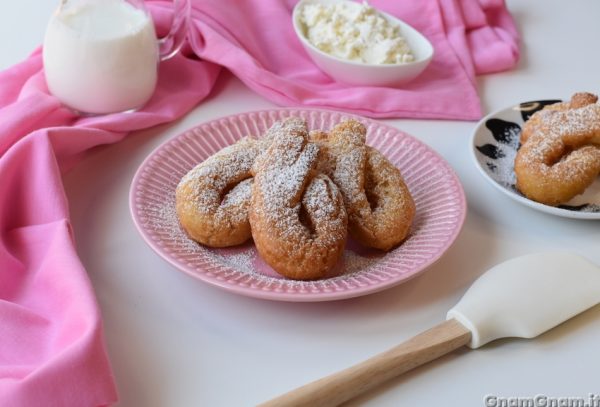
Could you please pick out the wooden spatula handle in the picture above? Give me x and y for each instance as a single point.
(353, 381)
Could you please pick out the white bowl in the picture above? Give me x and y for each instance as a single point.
(358, 73)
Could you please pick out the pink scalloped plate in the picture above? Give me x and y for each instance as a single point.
(437, 192)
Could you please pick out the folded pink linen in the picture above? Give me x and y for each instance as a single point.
(52, 349)
(51, 342)
(256, 41)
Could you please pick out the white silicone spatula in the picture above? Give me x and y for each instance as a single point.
(522, 297)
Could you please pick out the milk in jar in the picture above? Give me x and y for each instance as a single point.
(101, 56)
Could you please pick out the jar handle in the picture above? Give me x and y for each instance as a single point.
(169, 45)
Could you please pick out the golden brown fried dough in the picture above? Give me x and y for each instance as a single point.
(536, 120)
(298, 220)
(379, 205)
(561, 156)
(212, 199)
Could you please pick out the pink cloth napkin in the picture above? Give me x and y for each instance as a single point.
(51, 343)
(256, 41)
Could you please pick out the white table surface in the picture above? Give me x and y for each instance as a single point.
(174, 341)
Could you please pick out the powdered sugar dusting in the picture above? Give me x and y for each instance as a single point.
(346, 174)
(212, 177)
(323, 204)
(348, 154)
(152, 203)
(374, 194)
(244, 259)
(547, 150)
(281, 176)
(501, 169)
(576, 122)
(497, 138)
(235, 203)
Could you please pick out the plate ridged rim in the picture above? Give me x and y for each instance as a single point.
(438, 194)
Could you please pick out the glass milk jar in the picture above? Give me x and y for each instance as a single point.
(101, 56)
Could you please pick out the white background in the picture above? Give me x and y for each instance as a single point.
(174, 341)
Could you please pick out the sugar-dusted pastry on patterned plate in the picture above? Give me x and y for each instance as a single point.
(213, 198)
(560, 152)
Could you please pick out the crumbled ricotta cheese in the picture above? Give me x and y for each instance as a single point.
(354, 31)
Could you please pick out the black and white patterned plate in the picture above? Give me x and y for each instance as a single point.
(495, 144)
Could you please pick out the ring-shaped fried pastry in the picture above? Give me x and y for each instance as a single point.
(298, 220)
(561, 157)
(379, 205)
(212, 199)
